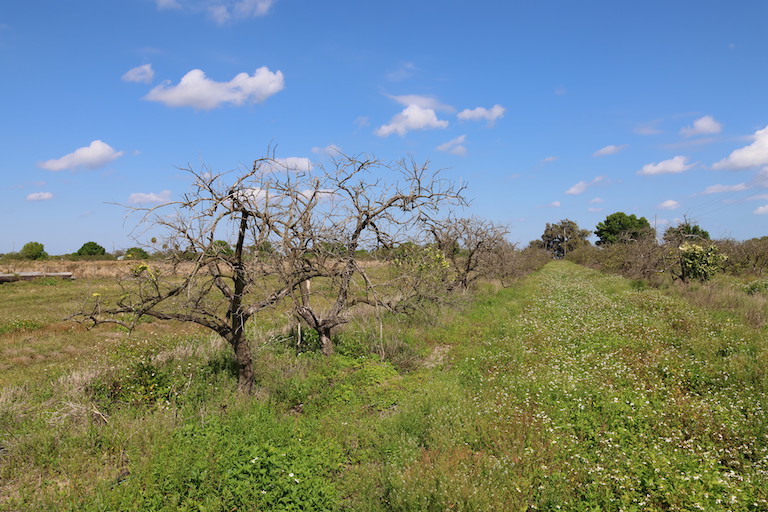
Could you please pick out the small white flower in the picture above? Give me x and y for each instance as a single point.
(290, 475)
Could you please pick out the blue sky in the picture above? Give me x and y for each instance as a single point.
(547, 109)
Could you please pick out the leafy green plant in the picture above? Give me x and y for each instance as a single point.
(698, 262)
(243, 462)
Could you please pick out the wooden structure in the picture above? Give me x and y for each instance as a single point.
(29, 276)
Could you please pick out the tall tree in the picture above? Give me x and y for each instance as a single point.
(563, 237)
(621, 228)
(91, 249)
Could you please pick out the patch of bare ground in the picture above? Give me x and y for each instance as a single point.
(436, 357)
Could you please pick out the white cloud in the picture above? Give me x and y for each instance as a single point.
(669, 204)
(330, 149)
(362, 121)
(454, 146)
(224, 12)
(596, 200)
(674, 165)
(142, 74)
(428, 102)
(577, 189)
(582, 186)
(609, 150)
(198, 91)
(97, 154)
(754, 155)
(555, 204)
(702, 126)
(413, 117)
(717, 189)
(168, 4)
(480, 113)
(252, 8)
(141, 197)
(293, 163)
(220, 14)
(594, 210)
(762, 210)
(39, 196)
(549, 159)
(251, 195)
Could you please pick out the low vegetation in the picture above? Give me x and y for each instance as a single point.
(570, 389)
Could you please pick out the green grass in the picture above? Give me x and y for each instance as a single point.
(571, 390)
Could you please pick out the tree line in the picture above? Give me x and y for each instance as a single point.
(628, 245)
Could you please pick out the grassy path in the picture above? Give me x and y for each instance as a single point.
(577, 392)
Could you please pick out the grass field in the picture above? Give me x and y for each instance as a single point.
(571, 390)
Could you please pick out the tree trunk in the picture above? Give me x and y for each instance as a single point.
(245, 377)
(326, 344)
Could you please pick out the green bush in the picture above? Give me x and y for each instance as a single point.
(699, 262)
(91, 249)
(33, 251)
(136, 253)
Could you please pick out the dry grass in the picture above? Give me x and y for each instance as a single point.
(727, 294)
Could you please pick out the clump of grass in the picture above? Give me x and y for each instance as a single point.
(759, 286)
(19, 325)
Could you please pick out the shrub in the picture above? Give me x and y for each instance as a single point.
(33, 251)
(699, 262)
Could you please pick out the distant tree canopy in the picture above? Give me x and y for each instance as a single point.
(136, 253)
(33, 251)
(685, 231)
(220, 248)
(562, 238)
(91, 249)
(620, 228)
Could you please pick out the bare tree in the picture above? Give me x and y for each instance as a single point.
(313, 222)
(474, 247)
(364, 211)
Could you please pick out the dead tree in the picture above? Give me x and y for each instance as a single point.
(475, 247)
(366, 204)
(313, 222)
